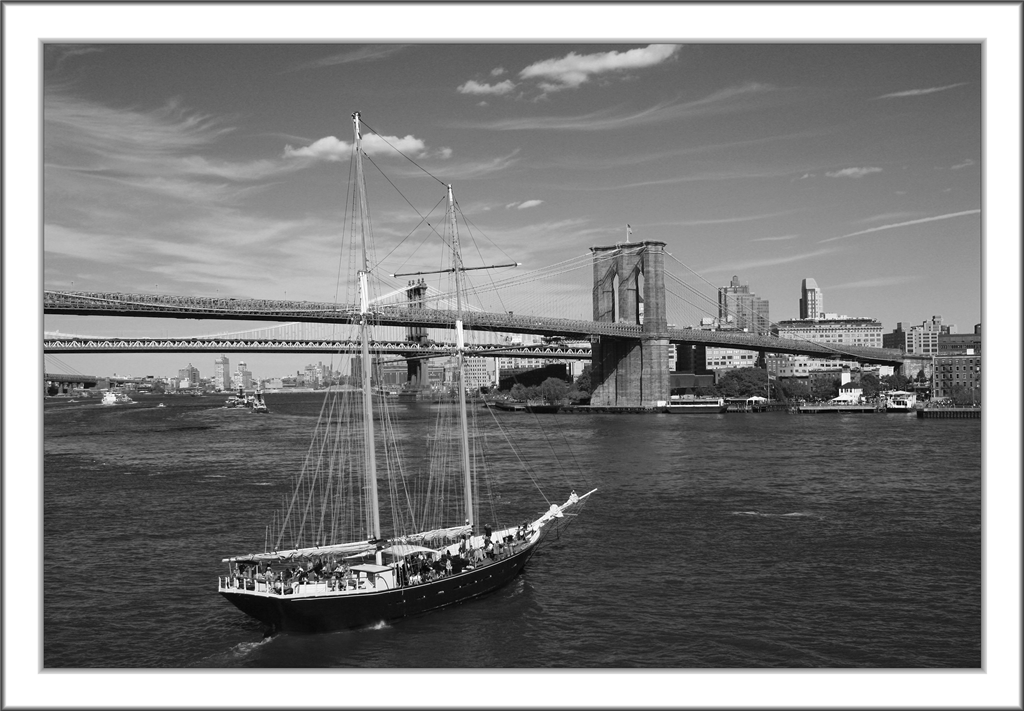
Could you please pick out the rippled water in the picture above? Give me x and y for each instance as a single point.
(728, 541)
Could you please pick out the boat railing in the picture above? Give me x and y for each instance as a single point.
(277, 587)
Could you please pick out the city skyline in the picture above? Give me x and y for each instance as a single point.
(199, 165)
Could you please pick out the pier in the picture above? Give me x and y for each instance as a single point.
(951, 413)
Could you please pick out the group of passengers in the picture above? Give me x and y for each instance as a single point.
(311, 571)
(413, 570)
(423, 569)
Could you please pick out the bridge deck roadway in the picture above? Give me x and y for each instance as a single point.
(69, 344)
(185, 307)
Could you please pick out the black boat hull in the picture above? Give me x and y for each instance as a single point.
(329, 613)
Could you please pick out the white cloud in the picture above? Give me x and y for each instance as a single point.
(497, 71)
(904, 224)
(573, 69)
(774, 239)
(362, 54)
(731, 99)
(853, 172)
(734, 266)
(919, 92)
(528, 203)
(876, 282)
(330, 148)
(965, 164)
(475, 87)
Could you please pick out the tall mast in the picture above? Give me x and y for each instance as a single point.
(460, 358)
(364, 335)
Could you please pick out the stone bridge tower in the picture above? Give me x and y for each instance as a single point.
(629, 287)
(416, 368)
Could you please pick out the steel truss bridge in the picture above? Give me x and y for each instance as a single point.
(80, 344)
(190, 307)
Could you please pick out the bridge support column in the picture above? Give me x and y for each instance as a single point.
(416, 379)
(629, 287)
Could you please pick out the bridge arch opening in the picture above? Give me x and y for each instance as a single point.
(616, 316)
(639, 282)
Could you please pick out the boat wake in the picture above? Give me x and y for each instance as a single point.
(243, 649)
(795, 514)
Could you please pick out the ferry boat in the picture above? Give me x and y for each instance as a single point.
(900, 401)
(345, 553)
(114, 398)
(692, 404)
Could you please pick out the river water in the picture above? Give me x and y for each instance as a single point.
(714, 541)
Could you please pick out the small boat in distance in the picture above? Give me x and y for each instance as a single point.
(259, 405)
(693, 404)
(346, 552)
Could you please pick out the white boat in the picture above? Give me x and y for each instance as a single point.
(345, 552)
(691, 404)
(258, 404)
(114, 398)
(900, 401)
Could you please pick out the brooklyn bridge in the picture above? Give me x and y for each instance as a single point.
(628, 340)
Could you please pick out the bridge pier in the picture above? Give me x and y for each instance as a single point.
(629, 287)
(416, 368)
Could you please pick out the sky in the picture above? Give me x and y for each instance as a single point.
(219, 169)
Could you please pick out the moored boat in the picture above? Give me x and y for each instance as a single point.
(900, 401)
(115, 398)
(696, 405)
(347, 552)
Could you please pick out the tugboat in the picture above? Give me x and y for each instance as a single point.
(259, 405)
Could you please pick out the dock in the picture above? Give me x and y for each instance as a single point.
(952, 413)
(832, 408)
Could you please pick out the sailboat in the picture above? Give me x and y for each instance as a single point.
(342, 557)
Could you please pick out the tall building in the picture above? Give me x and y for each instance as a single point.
(748, 312)
(189, 376)
(923, 339)
(961, 343)
(222, 373)
(957, 374)
(812, 301)
(242, 377)
(838, 330)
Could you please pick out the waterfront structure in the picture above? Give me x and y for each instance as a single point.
(744, 309)
(956, 373)
(812, 300)
(829, 329)
(222, 373)
(957, 367)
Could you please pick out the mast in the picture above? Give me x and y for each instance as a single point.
(460, 358)
(364, 335)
